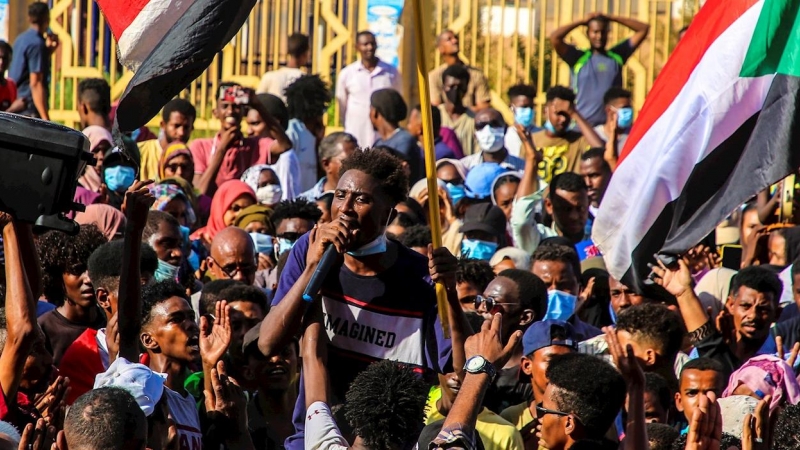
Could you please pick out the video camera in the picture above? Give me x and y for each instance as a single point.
(40, 163)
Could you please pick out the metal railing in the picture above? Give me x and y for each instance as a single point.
(506, 38)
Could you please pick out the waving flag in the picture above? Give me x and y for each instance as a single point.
(719, 125)
(168, 43)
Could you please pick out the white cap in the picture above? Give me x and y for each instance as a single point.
(145, 385)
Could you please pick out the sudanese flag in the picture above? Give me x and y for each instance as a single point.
(719, 125)
(168, 43)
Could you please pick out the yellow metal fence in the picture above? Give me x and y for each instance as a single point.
(506, 38)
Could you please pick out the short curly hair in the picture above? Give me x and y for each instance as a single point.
(385, 405)
(156, 293)
(416, 236)
(308, 98)
(588, 387)
(385, 168)
(299, 208)
(787, 430)
(561, 253)
(655, 324)
(60, 254)
(475, 271)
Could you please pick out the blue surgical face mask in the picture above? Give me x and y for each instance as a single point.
(165, 271)
(456, 191)
(625, 117)
(560, 305)
(376, 246)
(475, 249)
(523, 116)
(549, 127)
(119, 178)
(284, 245)
(263, 243)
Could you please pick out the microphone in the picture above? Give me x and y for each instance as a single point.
(325, 264)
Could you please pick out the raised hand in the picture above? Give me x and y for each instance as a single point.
(38, 437)
(676, 280)
(725, 325)
(215, 338)
(51, 404)
(792, 354)
(705, 427)
(625, 360)
(228, 405)
(757, 427)
(137, 203)
(442, 266)
(489, 343)
(527, 142)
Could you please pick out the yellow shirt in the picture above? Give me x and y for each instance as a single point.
(495, 432)
(150, 152)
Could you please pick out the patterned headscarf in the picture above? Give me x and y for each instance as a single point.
(165, 193)
(766, 375)
(251, 175)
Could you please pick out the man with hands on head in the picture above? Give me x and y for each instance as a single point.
(378, 300)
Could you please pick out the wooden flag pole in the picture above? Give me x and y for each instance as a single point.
(421, 26)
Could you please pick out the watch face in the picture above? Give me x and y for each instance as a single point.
(475, 363)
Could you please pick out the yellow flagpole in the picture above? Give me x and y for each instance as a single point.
(421, 24)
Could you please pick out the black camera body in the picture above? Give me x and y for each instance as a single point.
(40, 163)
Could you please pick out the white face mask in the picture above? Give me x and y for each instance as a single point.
(269, 195)
(490, 139)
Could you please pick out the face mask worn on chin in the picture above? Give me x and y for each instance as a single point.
(560, 305)
(456, 191)
(476, 249)
(625, 117)
(119, 178)
(269, 194)
(523, 116)
(263, 243)
(165, 271)
(490, 139)
(378, 245)
(549, 127)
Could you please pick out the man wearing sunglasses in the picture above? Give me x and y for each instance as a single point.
(490, 135)
(583, 396)
(521, 298)
(541, 341)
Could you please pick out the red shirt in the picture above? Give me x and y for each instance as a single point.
(238, 158)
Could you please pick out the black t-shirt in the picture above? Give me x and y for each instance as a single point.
(60, 333)
(507, 390)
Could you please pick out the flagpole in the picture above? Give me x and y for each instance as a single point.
(421, 22)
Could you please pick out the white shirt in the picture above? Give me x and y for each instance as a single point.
(511, 162)
(354, 87)
(187, 420)
(305, 150)
(512, 142)
(275, 81)
(321, 432)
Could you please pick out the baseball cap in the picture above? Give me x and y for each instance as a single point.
(145, 385)
(538, 335)
(480, 179)
(484, 217)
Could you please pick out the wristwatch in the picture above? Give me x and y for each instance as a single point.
(479, 364)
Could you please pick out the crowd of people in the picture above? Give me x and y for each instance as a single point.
(177, 317)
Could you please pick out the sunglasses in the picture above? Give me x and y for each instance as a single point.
(492, 305)
(232, 269)
(541, 412)
(482, 125)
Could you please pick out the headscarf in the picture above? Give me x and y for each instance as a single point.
(91, 177)
(226, 194)
(251, 175)
(713, 289)
(255, 213)
(173, 151)
(456, 163)
(422, 185)
(517, 175)
(108, 219)
(165, 193)
(766, 375)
